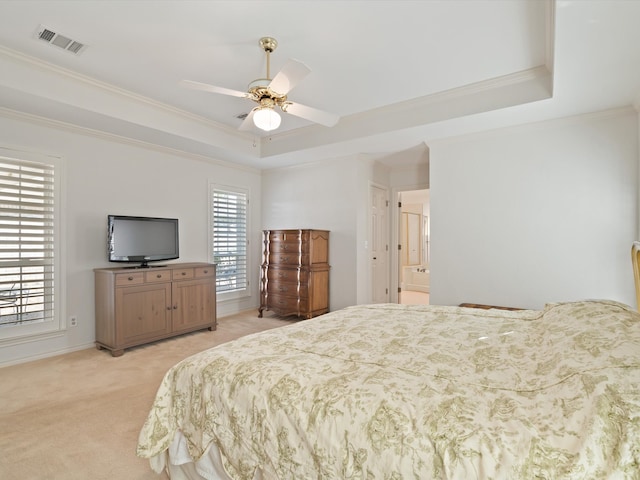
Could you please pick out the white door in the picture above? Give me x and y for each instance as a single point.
(379, 244)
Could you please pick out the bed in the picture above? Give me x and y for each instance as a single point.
(410, 392)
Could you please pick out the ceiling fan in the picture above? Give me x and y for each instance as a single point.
(269, 93)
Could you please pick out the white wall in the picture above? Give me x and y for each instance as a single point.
(322, 196)
(104, 176)
(540, 213)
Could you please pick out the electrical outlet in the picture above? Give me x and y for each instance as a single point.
(73, 321)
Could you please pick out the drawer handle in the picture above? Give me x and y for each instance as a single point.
(158, 276)
(169, 307)
(130, 278)
(206, 271)
(285, 259)
(183, 273)
(175, 307)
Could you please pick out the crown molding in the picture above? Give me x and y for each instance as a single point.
(547, 123)
(517, 88)
(102, 135)
(112, 89)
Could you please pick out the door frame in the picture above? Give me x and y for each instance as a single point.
(396, 223)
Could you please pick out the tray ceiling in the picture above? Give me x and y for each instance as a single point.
(398, 73)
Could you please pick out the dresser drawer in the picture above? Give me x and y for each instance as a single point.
(287, 259)
(133, 278)
(204, 272)
(291, 275)
(288, 247)
(287, 288)
(182, 274)
(155, 276)
(291, 236)
(286, 305)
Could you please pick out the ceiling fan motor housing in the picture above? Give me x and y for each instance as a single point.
(259, 90)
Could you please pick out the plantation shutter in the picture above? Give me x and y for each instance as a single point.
(26, 242)
(230, 240)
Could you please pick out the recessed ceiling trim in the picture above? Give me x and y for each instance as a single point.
(509, 90)
(104, 88)
(113, 137)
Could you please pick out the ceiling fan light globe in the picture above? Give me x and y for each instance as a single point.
(266, 119)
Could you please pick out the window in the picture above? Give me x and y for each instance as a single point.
(229, 239)
(29, 226)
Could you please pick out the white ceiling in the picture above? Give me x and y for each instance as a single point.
(398, 73)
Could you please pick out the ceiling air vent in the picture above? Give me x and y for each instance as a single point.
(54, 38)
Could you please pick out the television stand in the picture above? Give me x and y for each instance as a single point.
(138, 305)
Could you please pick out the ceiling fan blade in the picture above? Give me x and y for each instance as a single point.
(212, 88)
(247, 123)
(287, 78)
(309, 113)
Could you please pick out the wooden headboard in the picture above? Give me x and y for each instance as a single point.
(635, 260)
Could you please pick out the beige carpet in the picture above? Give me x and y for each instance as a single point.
(78, 415)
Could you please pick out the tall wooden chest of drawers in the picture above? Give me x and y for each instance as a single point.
(295, 272)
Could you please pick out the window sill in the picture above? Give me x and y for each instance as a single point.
(231, 296)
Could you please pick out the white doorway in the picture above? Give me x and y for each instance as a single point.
(414, 231)
(379, 241)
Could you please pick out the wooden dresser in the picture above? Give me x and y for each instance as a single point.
(140, 305)
(295, 272)
(487, 307)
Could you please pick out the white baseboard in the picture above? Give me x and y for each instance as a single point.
(41, 356)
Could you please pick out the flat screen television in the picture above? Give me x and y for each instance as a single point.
(141, 239)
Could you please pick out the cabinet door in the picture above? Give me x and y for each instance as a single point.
(194, 304)
(143, 313)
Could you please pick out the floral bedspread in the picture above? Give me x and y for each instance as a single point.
(416, 392)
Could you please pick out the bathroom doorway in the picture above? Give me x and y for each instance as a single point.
(414, 249)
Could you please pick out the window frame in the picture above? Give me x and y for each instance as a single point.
(56, 325)
(213, 188)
